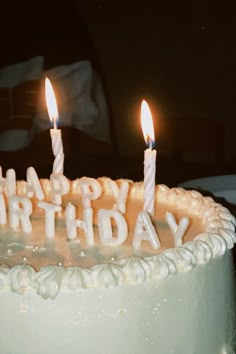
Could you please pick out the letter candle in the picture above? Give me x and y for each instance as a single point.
(55, 133)
(149, 159)
(178, 231)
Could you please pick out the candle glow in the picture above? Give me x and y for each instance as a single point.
(147, 124)
(51, 102)
(55, 133)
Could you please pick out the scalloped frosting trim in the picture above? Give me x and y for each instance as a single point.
(218, 237)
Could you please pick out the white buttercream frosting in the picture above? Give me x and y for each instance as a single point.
(120, 299)
(107, 275)
(48, 281)
(136, 270)
(21, 278)
(217, 236)
(161, 266)
(75, 278)
(4, 279)
(182, 257)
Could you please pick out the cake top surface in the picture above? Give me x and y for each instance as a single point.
(31, 260)
(36, 249)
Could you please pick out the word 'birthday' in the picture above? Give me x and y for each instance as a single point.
(18, 201)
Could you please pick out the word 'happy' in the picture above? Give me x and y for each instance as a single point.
(20, 209)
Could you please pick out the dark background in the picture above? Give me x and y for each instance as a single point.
(178, 55)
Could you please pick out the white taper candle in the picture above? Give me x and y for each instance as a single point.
(57, 148)
(149, 159)
(55, 133)
(149, 180)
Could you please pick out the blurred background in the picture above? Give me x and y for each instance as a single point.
(104, 57)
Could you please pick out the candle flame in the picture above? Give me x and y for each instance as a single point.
(51, 102)
(147, 124)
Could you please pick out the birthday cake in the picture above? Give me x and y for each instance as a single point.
(85, 270)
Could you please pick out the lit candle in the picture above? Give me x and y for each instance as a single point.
(55, 133)
(149, 158)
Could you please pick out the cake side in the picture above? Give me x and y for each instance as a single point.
(99, 299)
(189, 313)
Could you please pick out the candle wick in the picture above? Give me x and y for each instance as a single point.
(54, 123)
(149, 142)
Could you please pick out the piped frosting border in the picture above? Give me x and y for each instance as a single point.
(218, 236)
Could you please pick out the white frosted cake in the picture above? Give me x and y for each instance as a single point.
(107, 277)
